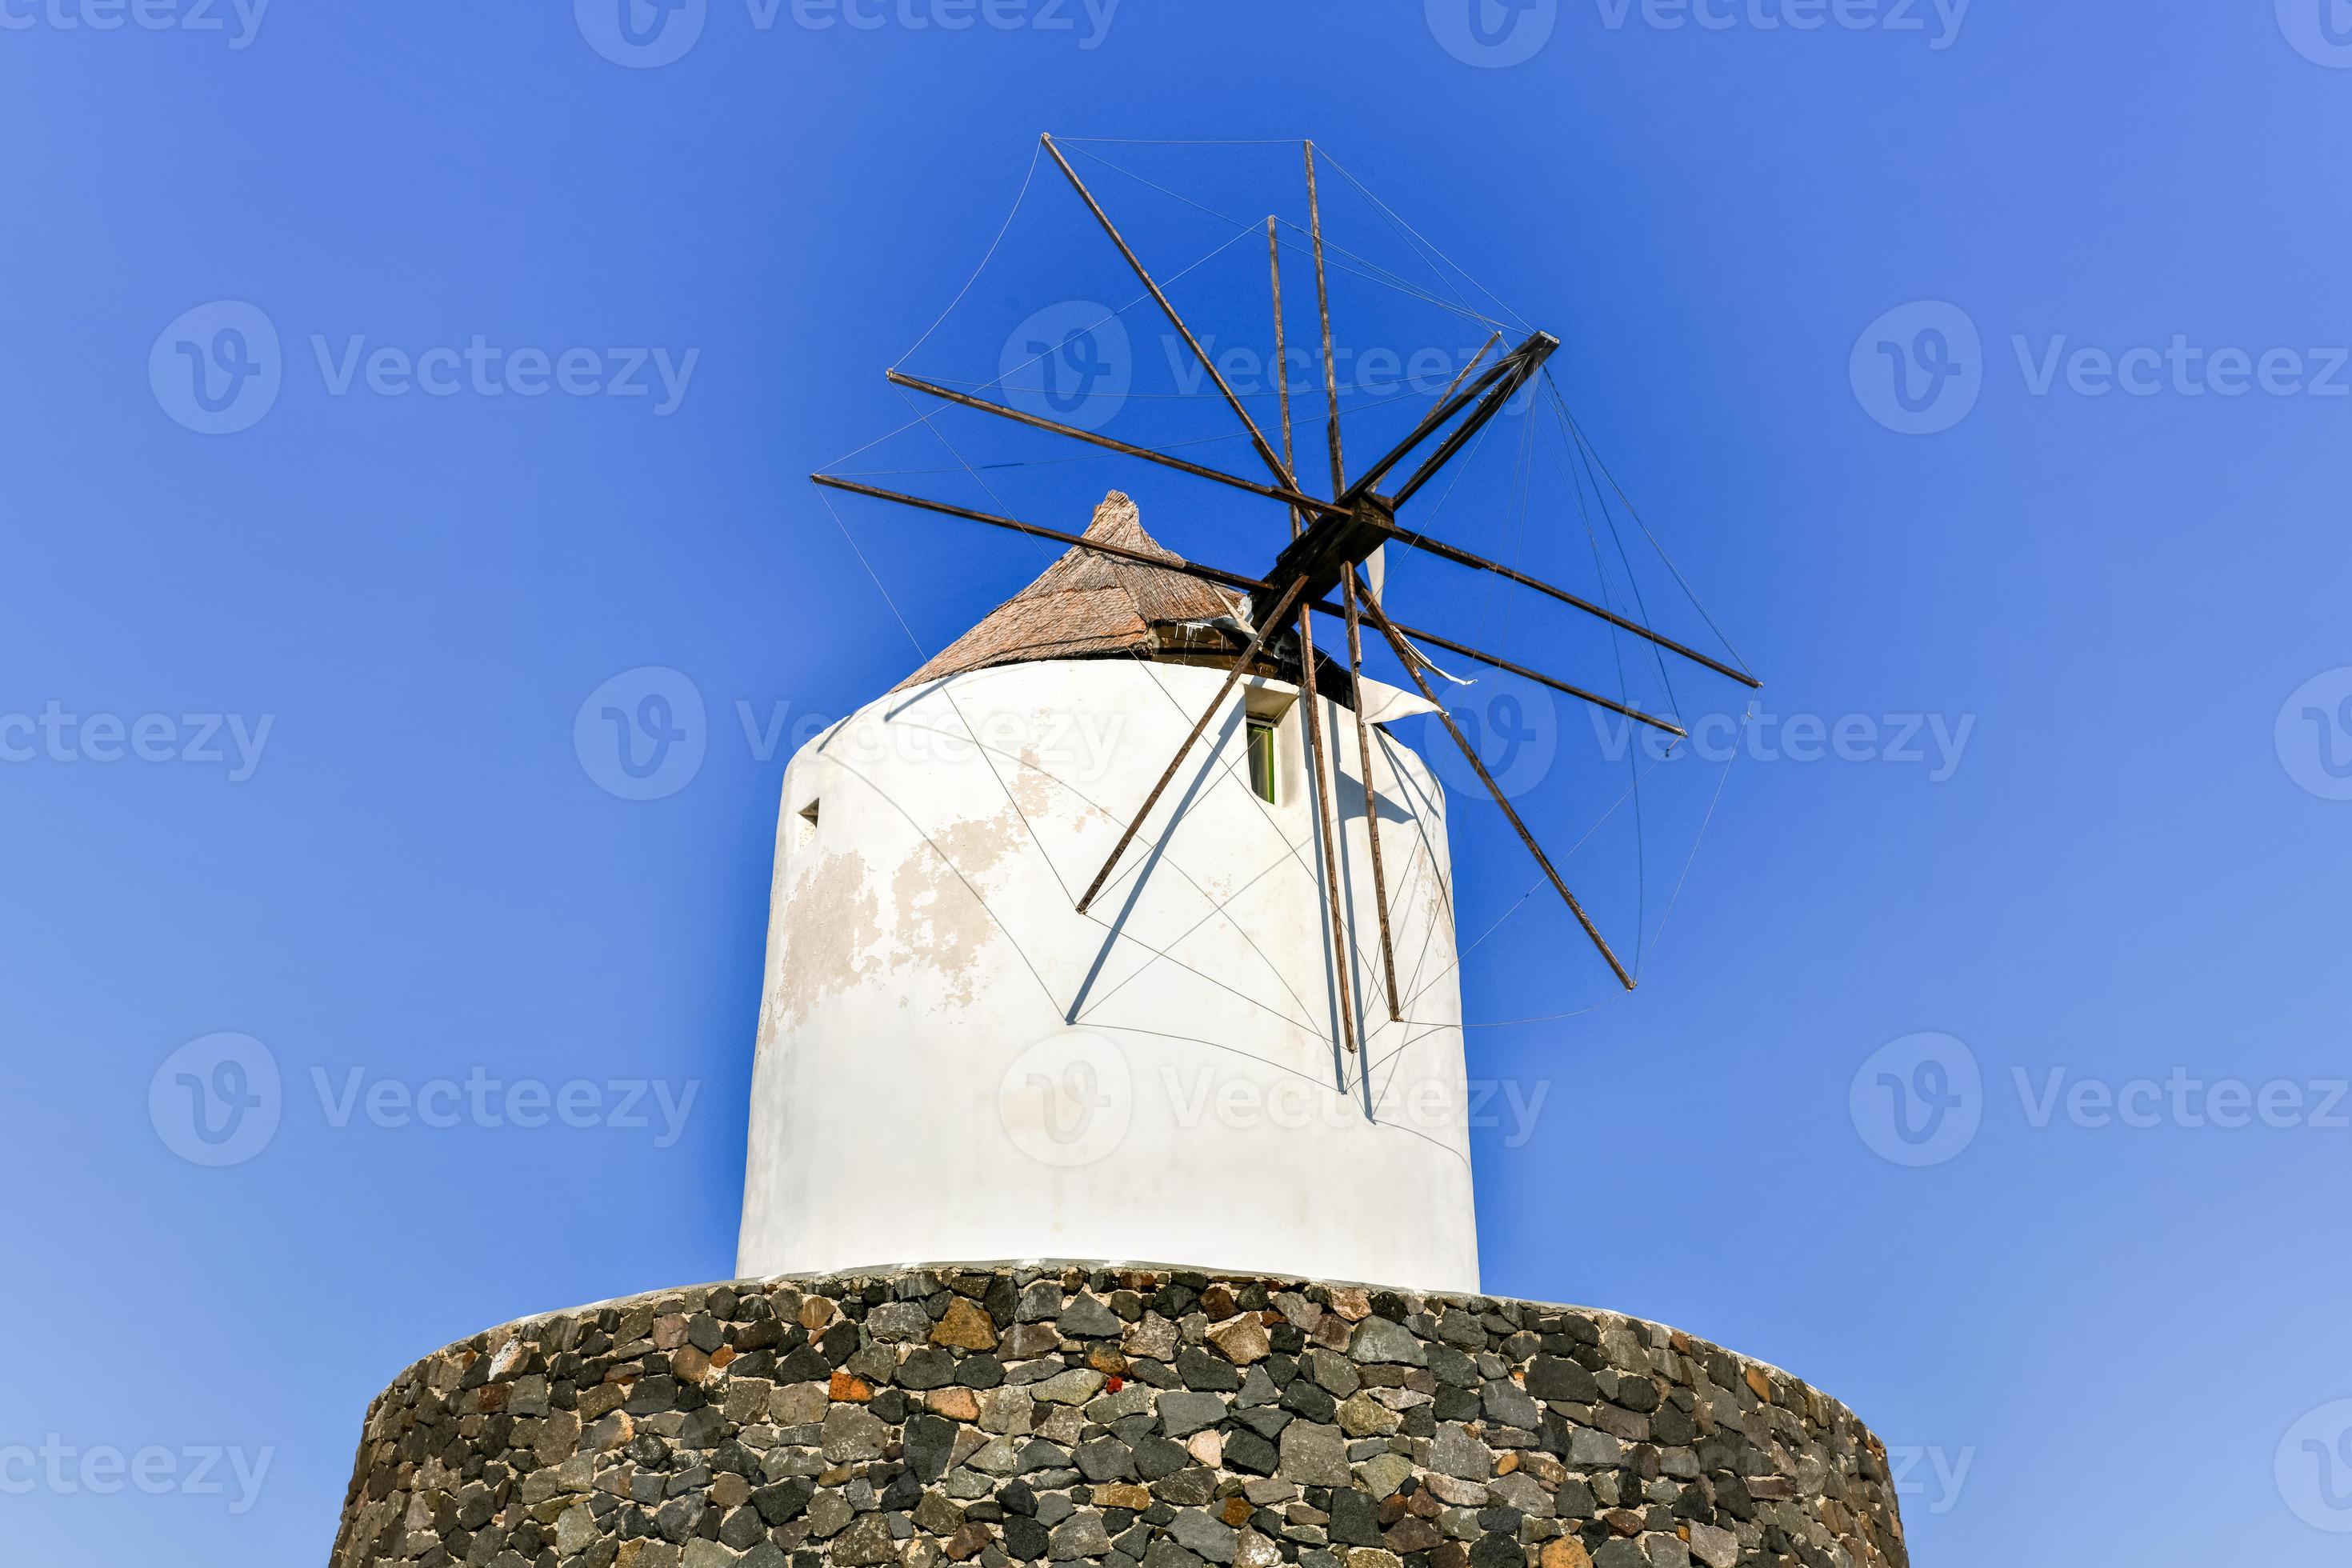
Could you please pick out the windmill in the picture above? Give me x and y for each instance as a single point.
(1323, 568)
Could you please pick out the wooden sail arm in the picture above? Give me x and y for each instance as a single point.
(1272, 492)
(1372, 607)
(1232, 580)
(1265, 452)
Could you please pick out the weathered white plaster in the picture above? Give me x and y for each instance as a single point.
(922, 1093)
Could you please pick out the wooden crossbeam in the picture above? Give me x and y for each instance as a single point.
(1281, 470)
(1232, 580)
(1404, 655)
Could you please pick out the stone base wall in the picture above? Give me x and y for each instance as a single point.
(1118, 1416)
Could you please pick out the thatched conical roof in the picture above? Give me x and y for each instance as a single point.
(1087, 605)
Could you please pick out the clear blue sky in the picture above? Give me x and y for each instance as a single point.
(2132, 868)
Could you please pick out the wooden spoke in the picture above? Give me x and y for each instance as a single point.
(1258, 437)
(1272, 492)
(1342, 957)
(1330, 365)
(1372, 796)
(1460, 557)
(1231, 580)
(1075, 542)
(1519, 370)
(1404, 655)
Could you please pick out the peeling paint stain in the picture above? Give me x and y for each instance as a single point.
(832, 920)
(942, 918)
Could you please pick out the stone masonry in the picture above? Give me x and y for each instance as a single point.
(1109, 1415)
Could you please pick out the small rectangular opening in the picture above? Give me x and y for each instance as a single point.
(808, 823)
(1261, 773)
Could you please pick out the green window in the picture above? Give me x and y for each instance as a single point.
(1261, 756)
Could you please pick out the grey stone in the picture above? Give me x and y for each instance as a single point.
(1157, 1457)
(1075, 1386)
(1558, 1378)
(852, 1435)
(899, 1322)
(1455, 1452)
(1088, 1318)
(1383, 1473)
(1587, 1448)
(1519, 1491)
(1503, 1401)
(1715, 1548)
(1104, 1459)
(864, 1543)
(829, 1514)
(930, 1439)
(1314, 1456)
(1377, 1340)
(1164, 1553)
(1203, 1534)
(1081, 1536)
(1182, 1414)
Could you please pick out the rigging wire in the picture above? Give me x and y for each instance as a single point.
(1021, 197)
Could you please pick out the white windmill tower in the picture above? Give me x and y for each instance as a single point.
(1036, 988)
